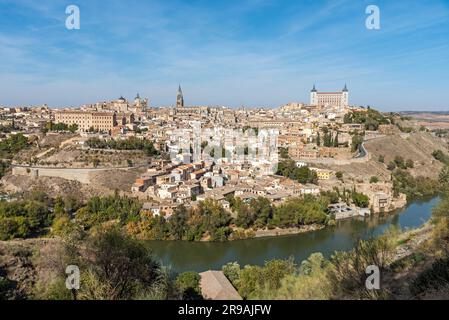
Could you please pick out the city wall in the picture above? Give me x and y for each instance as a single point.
(81, 175)
(339, 162)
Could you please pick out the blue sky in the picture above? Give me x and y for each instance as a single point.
(225, 52)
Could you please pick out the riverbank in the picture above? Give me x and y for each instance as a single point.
(287, 231)
(30, 262)
(202, 256)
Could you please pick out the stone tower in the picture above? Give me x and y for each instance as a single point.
(179, 98)
(313, 96)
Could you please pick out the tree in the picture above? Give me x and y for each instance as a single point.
(339, 175)
(391, 166)
(96, 162)
(178, 223)
(336, 143)
(360, 200)
(318, 140)
(73, 128)
(232, 271)
(204, 144)
(188, 285)
(283, 152)
(7, 286)
(374, 179)
(441, 156)
(444, 178)
(118, 267)
(399, 161)
(357, 141)
(381, 159)
(12, 145)
(254, 280)
(301, 211)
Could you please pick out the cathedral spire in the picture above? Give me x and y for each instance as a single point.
(179, 98)
(345, 89)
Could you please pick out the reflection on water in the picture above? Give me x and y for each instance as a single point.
(201, 256)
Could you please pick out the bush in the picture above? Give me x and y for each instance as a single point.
(391, 165)
(188, 285)
(232, 272)
(404, 182)
(348, 272)
(255, 280)
(432, 279)
(310, 282)
(14, 227)
(441, 156)
(117, 267)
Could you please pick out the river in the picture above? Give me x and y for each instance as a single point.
(202, 256)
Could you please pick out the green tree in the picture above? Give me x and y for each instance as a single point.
(336, 143)
(117, 267)
(360, 200)
(339, 175)
(391, 165)
(232, 271)
(357, 141)
(188, 285)
(374, 179)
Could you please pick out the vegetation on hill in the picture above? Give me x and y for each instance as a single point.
(211, 221)
(50, 126)
(114, 267)
(128, 144)
(303, 175)
(357, 141)
(36, 215)
(25, 218)
(371, 119)
(441, 156)
(414, 187)
(12, 145)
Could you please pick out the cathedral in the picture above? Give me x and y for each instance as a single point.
(138, 107)
(179, 98)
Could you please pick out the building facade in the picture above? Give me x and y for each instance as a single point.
(335, 99)
(85, 120)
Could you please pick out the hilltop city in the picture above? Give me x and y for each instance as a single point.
(316, 137)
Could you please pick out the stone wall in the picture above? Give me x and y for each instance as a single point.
(81, 175)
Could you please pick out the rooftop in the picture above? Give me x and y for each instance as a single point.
(215, 286)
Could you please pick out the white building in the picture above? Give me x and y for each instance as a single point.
(335, 99)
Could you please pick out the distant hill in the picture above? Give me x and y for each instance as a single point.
(424, 112)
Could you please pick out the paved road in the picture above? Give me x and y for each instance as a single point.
(362, 152)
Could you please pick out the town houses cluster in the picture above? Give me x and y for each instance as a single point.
(217, 152)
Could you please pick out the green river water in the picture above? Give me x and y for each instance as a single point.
(201, 256)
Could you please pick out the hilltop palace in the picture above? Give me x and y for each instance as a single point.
(337, 99)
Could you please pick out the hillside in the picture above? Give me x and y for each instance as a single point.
(417, 146)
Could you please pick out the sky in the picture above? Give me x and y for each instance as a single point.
(253, 53)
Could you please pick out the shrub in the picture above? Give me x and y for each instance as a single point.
(188, 285)
(433, 278)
